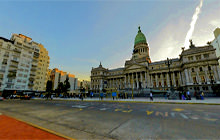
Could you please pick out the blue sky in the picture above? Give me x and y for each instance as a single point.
(80, 34)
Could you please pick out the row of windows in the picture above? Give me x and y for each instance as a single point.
(201, 69)
(198, 57)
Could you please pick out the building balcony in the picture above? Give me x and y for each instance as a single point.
(33, 69)
(34, 64)
(36, 55)
(12, 75)
(12, 70)
(30, 84)
(17, 51)
(6, 55)
(13, 65)
(31, 78)
(16, 55)
(15, 60)
(10, 81)
(32, 74)
(2, 70)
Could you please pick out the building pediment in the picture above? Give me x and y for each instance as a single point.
(135, 67)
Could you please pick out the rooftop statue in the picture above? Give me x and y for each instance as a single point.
(191, 44)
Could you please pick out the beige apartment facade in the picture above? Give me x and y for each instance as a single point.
(19, 63)
(196, 69)
(42, 70)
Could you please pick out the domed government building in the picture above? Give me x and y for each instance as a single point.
(196, 69)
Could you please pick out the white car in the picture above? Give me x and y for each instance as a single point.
(1, 98)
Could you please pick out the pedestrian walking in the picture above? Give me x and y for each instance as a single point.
(81, 96)
(51, 96)
(202, 95)
(180, 95)
(91, 94)
(151, 96)
(183, 97)
(188, 95)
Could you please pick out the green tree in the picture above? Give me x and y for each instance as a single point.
(60, 88)
(49, 88)
(66, 86)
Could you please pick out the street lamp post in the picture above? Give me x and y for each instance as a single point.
(209, 69)
(172, 94)
(132, 90)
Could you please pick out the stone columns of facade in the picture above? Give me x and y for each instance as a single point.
(145, 79)
(129, 81)
(137, 81)
(190, 76)
(133, 80)
(197, 75)
(162, 78)
(215, 73)
(218, 72)
(113, 83)
(141, 80)
(174, 81)
(148, 80)
(125, 81)
(151, 80)
(100, 84)
(180, 79)
(156, 80)
(117, 83)
(168, 80)
(186, 77)
(206, 75)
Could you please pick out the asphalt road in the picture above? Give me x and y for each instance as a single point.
(112, 120)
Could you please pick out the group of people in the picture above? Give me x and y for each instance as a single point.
(187, 96)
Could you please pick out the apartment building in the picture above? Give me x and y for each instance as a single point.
(42, 70)
(19, 59)
(216, 43)
(57, 76)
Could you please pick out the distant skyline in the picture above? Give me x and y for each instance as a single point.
(80, 34)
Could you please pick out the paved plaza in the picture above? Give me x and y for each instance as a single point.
(118, 120)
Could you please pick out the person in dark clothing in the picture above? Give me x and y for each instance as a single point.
(180, 95)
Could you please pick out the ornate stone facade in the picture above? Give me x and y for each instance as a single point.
(195, 69)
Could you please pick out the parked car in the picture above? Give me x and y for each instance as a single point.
(1, 98)
(25, 97)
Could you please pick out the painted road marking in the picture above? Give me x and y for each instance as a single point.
(172, 114)
(178, 109)
(159, 113)
(117, 109)
(211, 119)
(79, 106)
(194, 117)
(103, 108)
(127, 111)
(184, 116)
(149, 112)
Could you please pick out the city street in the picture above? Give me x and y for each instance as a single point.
(114, 120)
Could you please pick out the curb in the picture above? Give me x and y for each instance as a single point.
(44, 129)
(148, 102)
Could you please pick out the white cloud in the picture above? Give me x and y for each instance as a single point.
(215, 22)
(169, 41)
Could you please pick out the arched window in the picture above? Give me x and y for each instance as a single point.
(200, 69)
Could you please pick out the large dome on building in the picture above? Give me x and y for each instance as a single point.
(140, 37)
